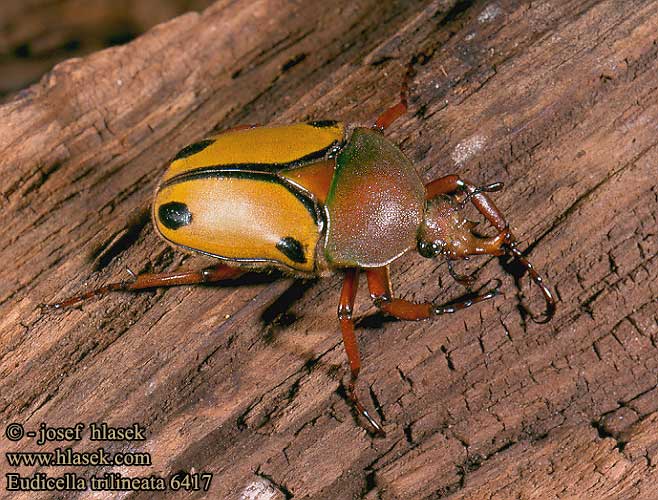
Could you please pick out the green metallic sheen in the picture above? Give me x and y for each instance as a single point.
(375, 203)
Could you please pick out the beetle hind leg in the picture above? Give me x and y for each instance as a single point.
(219, 272)
(345, 309)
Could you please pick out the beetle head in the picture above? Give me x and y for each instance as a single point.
(445, 230)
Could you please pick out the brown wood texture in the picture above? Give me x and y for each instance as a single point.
(559, 100)
(36, 34)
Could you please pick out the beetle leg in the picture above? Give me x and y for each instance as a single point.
(396, 111)
(465, 280)
(240, 127)
(484, 204)
(151, 280)
(453, 183)
(345, 309)
(379, 284)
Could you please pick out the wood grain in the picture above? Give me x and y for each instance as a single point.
(559, 100)
(35, 35)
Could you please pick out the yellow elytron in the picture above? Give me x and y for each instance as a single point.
(251, 195)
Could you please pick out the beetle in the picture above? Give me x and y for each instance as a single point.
(311, 199)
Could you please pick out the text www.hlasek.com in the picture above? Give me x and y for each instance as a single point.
(69, 457)
(99, 433)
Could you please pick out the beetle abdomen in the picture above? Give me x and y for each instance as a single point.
(240, 216)
(375, 204)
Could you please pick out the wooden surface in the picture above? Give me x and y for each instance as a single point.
(36, 34)
(559, 100)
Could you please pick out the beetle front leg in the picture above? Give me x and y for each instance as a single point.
(453, 183)
(396, 111)
(345, 309)
(219, 272)
(484, 204)
(379, 284)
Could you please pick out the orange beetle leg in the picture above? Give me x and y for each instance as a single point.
(379, 283)
(151, 280)
(396, 111)
(244, 126)
(345, 309)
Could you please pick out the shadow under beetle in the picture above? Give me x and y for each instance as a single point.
(314, 198)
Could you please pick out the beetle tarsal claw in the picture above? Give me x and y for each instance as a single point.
(492, 188)
(437, 310)
(513, 250)
(351, 390)
(466, 280)
(470, 192)
(495, 290)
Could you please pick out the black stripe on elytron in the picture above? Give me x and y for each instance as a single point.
(327, 152)
(193, 149)
(217, 173)
(322, 123)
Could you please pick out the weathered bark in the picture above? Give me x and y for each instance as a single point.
(36, 34)
(557, 100)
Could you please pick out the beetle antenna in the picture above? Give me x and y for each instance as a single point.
(549, 312)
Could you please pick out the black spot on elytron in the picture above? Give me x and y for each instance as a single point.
(242, 171)
(193, 149)
(323, 123)
(174, 215)
(292, 249)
